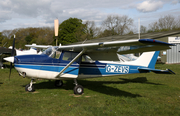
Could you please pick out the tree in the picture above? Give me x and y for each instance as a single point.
(1, 38)
(124, 25)
(153, 27)
(28, 38)
(143, 29)
(7, 33)
(117, 25)
(91, 30)
(29, 35)
(70, 31)
(105, 33)
(178, 23)
(6, 43)
(110, 24)
(80, 33)
(165, 23)
(130, 32)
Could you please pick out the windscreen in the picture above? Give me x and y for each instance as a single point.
(52, 52)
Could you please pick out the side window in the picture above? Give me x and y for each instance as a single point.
(86, 58)
(68, 56)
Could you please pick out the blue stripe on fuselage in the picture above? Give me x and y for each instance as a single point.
(99, 69)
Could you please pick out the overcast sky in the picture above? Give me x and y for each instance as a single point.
(40, 13)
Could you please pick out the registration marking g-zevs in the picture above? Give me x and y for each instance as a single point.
(117, 69)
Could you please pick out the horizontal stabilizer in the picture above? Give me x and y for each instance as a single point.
(167, 71)
(38, 46)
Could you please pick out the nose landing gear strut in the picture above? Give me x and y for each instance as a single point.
(30, 87)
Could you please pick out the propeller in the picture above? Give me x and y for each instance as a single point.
(12, 54)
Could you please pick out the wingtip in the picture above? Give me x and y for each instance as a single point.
(156, 41)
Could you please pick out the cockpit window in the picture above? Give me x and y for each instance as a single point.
(52, 52)
(48, 51)
(57, 54)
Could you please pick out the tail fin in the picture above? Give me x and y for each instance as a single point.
(147, 59)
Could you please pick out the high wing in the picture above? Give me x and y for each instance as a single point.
(130, 46)
(108, 50)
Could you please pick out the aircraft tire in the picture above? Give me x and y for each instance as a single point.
(27, 88)
(58, 83)
(78, 89)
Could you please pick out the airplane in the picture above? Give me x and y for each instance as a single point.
(4, 52)
(89, 60)
(32, 50)
(129, 57)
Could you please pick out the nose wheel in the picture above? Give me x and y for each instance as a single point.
(78, 89)
(30, 87)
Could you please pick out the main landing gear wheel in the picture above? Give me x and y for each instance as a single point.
(78, 89)
(58, 83)
(29, 88)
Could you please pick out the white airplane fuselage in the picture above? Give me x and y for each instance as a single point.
(45, 67)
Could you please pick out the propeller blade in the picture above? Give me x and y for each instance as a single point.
(12, 54)
(10, 71)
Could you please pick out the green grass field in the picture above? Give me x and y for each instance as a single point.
(129, 95)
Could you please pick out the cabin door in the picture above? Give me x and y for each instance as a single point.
(73, 70)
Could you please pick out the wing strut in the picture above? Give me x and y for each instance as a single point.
(71, 62)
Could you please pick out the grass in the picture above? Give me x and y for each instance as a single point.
(129, 95)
